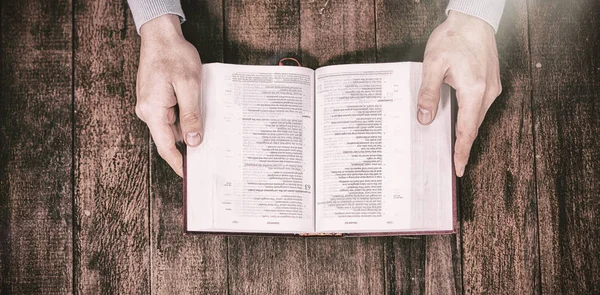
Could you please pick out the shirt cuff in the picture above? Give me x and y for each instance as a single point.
(146, 10)
(488, 10)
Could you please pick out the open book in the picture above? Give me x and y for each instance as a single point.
(337, 150)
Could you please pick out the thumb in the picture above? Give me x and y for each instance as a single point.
(429, 93)
(188, 98)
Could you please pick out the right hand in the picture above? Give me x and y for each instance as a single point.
(462, 53)
(168, 83)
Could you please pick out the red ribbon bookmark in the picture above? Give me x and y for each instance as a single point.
(289, 58)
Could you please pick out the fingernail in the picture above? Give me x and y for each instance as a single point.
(461, 171)
(193, 139)
(424, 116)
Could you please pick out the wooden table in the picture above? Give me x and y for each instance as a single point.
(88, 207)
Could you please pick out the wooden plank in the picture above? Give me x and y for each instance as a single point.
(498, 202)
(443, 272)
(565, 62)
(267, 265)
(111, 155)
(405, 265)
(337, 32)
(345, 266)
(429, 265)
(186, 264)
(35, 147)
(262, 32)
(334, 32)
(403, 28)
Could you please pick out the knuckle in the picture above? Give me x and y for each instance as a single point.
(142, 110)
(494, 89)
(468, 134)
(498, 89)
(191, 79)
(190, 76)
(171, 117)
(428, 95)
(138, 111)
(189, 119)
(434, 57)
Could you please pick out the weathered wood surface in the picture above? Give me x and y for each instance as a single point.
(565, 63)
(111, 232)
(36, 248)
(498, 200)
(87, 206)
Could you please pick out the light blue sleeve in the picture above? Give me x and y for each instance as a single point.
(145, 10)
(487, 10)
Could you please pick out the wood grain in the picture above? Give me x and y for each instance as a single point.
(498, 201)
(415, 265)
(35, 147)
(111, 155)
(122, 232)
(186, 264)
(443, 272)
(403, 28)
(565, 62)
(262, 32)
(405, 265)
(338, 32)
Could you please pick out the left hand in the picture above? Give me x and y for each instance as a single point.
(462, 53)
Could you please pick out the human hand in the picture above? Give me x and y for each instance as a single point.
(462, 53)
(168, 88)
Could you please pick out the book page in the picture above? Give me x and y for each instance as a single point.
(254, 171)
(366, 152)
(363, 148)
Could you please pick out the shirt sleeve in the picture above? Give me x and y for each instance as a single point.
(146, 10)
(488, 10)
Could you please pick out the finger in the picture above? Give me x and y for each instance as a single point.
(467, 125)
(492, 91)
(188, 98)
(165, 144)
(429, 92)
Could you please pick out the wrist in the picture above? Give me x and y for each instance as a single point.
(160, 28)
(463, 19)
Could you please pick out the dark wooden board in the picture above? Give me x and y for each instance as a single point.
(415, 265)
(186, 264)
(498, 201)
(443, 265)
(565, 63)
(112, 254)
(335, 32)
(35, 147)
(260, 32)
(405, 265)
